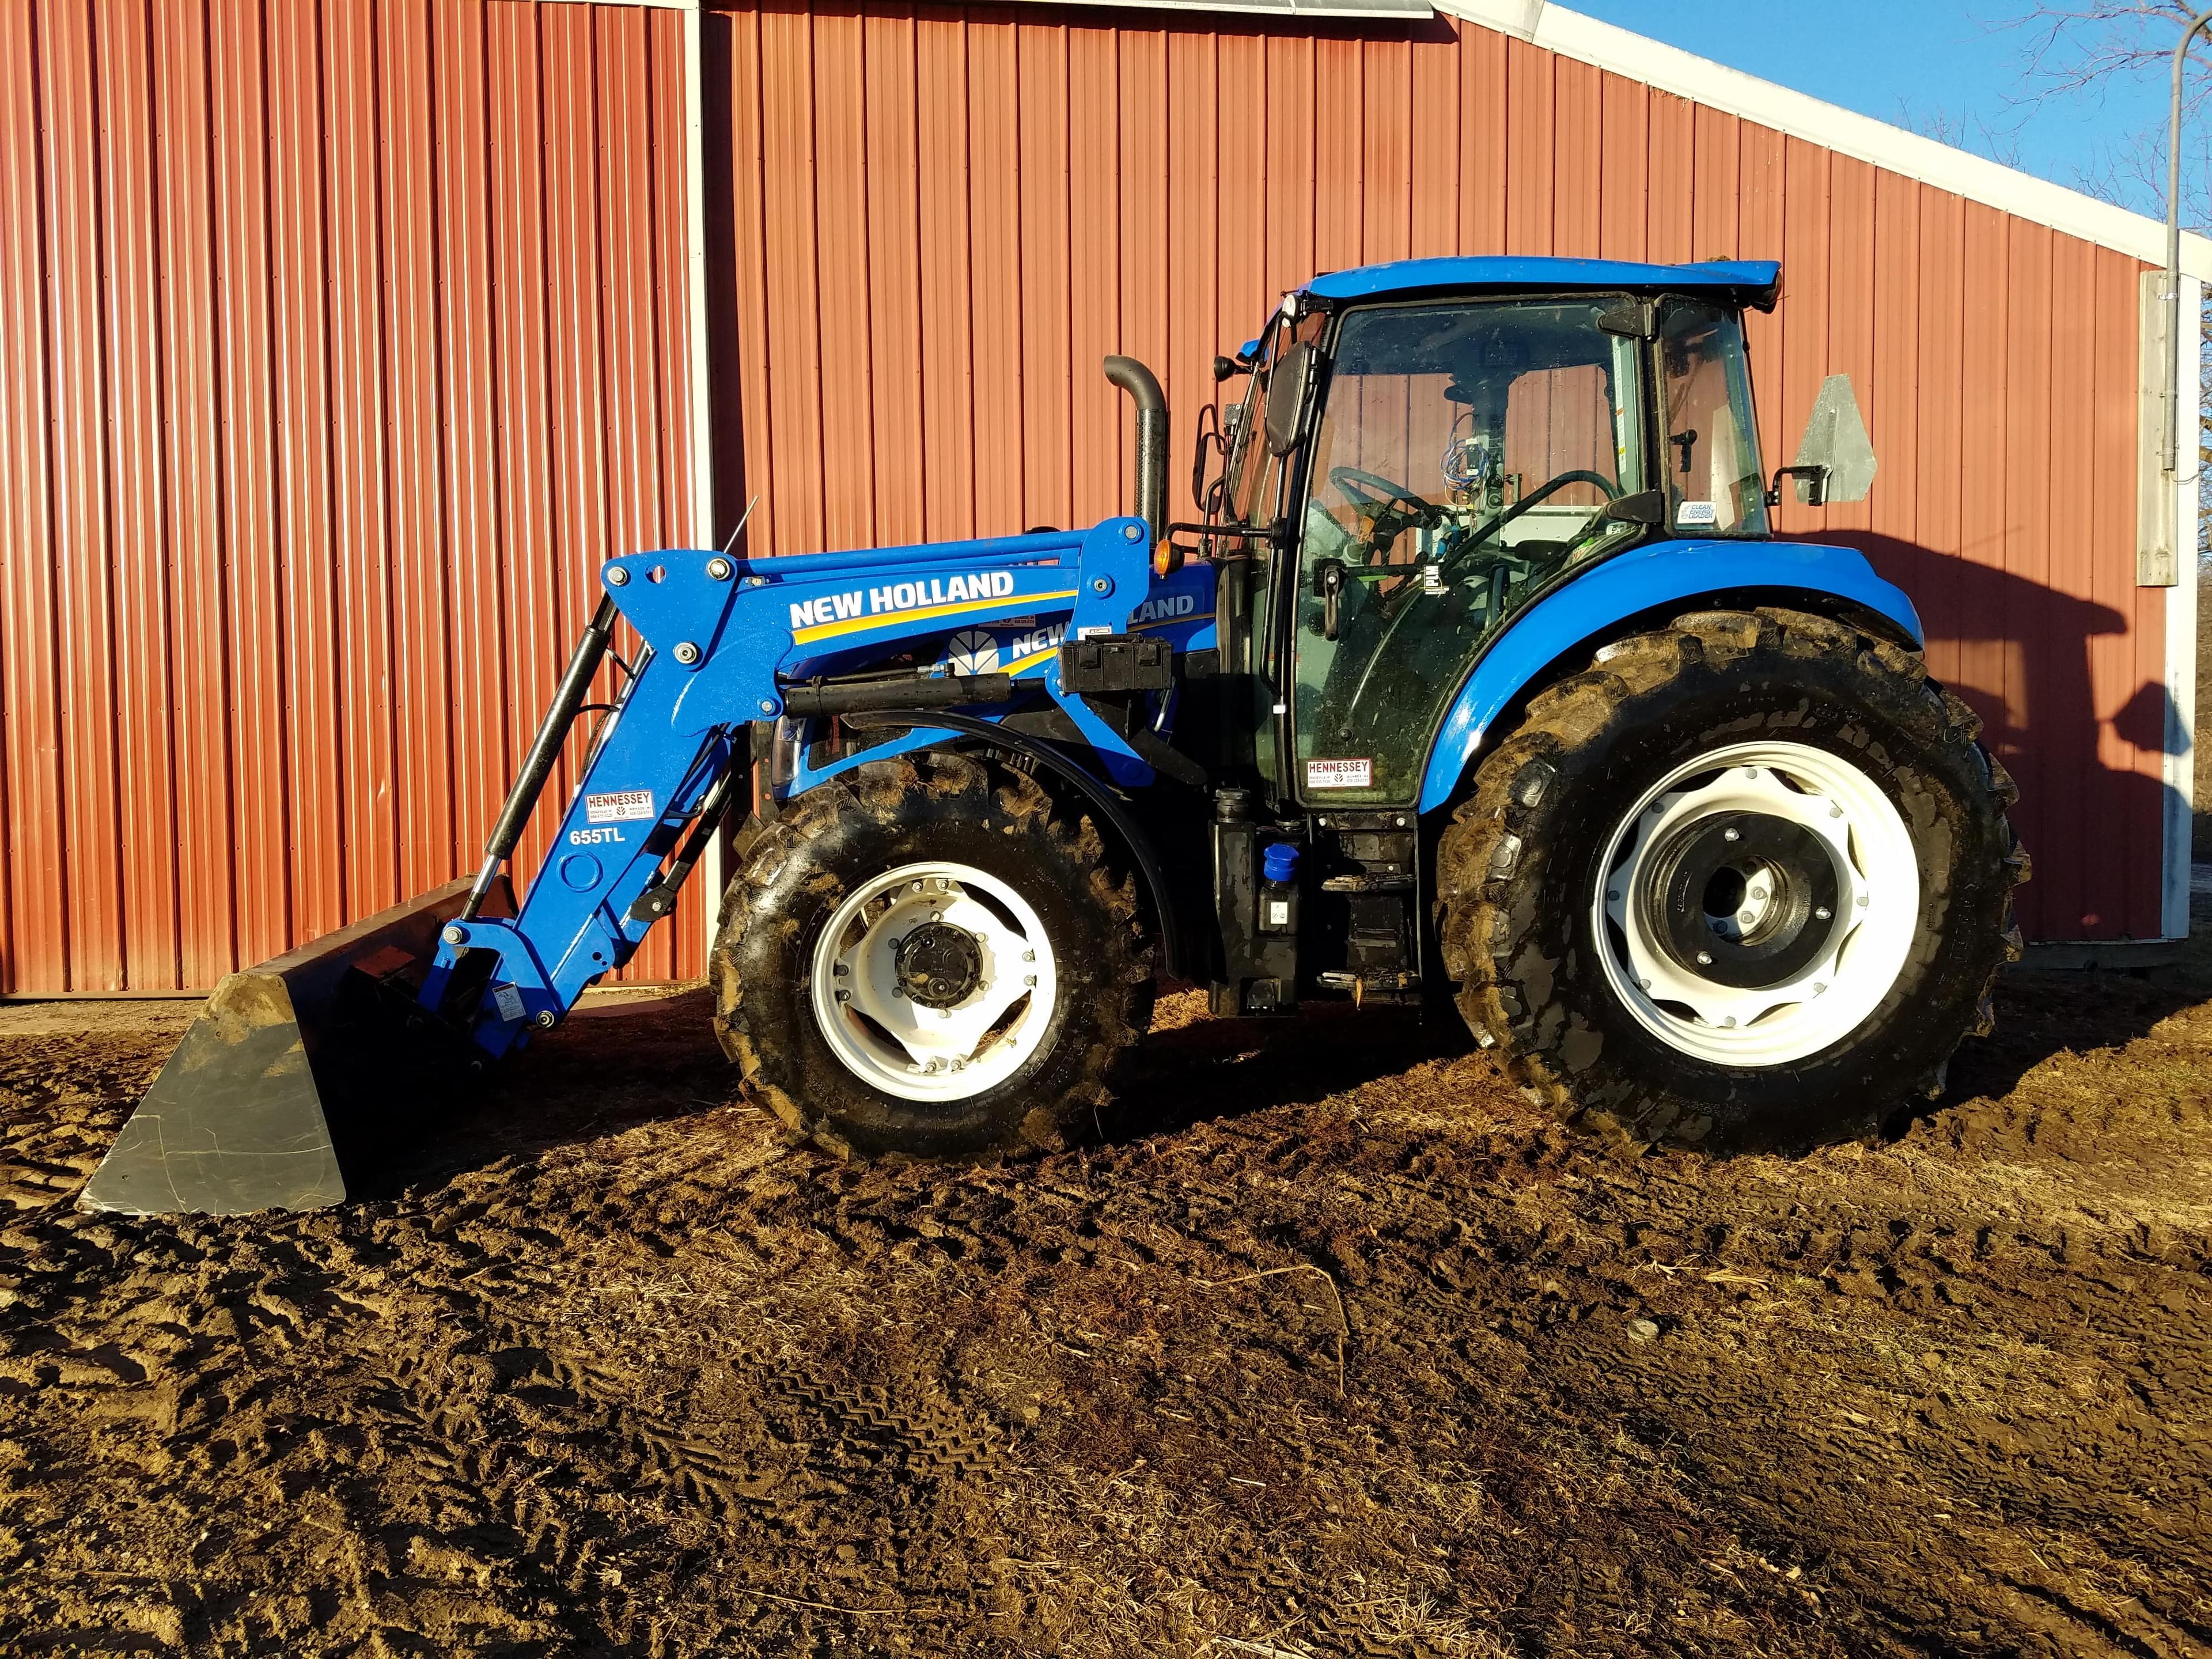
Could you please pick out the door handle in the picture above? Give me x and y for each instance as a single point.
(1328, 581)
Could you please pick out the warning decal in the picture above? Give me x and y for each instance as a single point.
(1691, 512)
(619, 806)
(1340, 774)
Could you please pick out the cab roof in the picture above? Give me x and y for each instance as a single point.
(1745, 281)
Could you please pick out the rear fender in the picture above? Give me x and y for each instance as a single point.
(1592, 608)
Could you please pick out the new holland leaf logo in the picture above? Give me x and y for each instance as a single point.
(972, 652)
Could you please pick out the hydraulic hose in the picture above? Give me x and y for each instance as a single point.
(545, 751)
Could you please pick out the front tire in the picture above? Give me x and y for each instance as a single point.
(1746, 883)
(928, 957)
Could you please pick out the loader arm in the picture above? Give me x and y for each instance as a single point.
(723, 639)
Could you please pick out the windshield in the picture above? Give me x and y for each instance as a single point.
(1715, 484)
(1465, 457)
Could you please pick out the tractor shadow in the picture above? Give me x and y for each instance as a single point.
(1194, 1068)
(2041, 1014)
(619, 1066)
(610, 1068)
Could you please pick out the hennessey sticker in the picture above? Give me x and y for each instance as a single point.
(1340, 775)
(619, 806)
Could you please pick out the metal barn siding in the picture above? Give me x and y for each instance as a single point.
(928, 224)
(344, 342)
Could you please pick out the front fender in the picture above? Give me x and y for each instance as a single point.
(1591, 608)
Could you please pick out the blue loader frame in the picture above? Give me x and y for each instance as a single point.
(722, 636)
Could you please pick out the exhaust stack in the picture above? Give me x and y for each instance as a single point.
(1144, 390)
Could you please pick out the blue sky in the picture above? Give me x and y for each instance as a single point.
(1914, 61)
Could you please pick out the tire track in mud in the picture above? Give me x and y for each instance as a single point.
(622, 1375)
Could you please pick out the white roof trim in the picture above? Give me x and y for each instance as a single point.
(1371, 10)
(1572, 34)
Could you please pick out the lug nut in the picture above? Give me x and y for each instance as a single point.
(844, 996)
(1731, 835)
(1821, 913)
(617, 576)
(719, 568)
(686, 653)
(456, 934)
(1705, 958)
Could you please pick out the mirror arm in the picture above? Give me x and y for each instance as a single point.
(1816, 484)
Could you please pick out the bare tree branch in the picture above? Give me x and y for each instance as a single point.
(2078, 51)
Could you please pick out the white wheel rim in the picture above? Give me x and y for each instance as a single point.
(972, 1027)
(1834, 970)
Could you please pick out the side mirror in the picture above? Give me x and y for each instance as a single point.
(1287, 397)
(1835, 459)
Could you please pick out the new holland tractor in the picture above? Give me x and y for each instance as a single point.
(1477, 675)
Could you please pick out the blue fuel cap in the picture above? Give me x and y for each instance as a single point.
(1279, 862)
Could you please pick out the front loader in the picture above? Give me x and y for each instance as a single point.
(1478, 677)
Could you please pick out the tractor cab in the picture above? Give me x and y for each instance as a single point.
(1424, 452)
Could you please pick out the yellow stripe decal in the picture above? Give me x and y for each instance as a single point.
(860, 624)
(1023, 664)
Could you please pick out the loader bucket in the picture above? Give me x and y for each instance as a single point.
(254, 1107)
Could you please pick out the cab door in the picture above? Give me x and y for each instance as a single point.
(1251, 603)
(1463, 460)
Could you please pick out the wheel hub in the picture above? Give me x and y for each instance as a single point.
(1745, 899)
(933, 981)
(938, 965)
(1756, 903)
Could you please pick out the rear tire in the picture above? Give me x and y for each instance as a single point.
(1746, 883)
(927, 957)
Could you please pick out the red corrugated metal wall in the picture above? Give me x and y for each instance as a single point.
(928, 224)
(343, 341)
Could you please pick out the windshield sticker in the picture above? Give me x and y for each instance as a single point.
(619, 807)
(1689, 513)
(1340, 775)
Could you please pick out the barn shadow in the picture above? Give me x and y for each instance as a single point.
(2022, 654)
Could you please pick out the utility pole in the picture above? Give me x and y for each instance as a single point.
(2170, 433)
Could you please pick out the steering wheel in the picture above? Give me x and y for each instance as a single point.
(1540, 494)
(1381, 652)
(1375, 493)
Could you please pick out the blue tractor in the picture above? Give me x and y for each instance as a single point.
(1476, 674)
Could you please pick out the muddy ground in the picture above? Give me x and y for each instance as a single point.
(1348, 1351)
